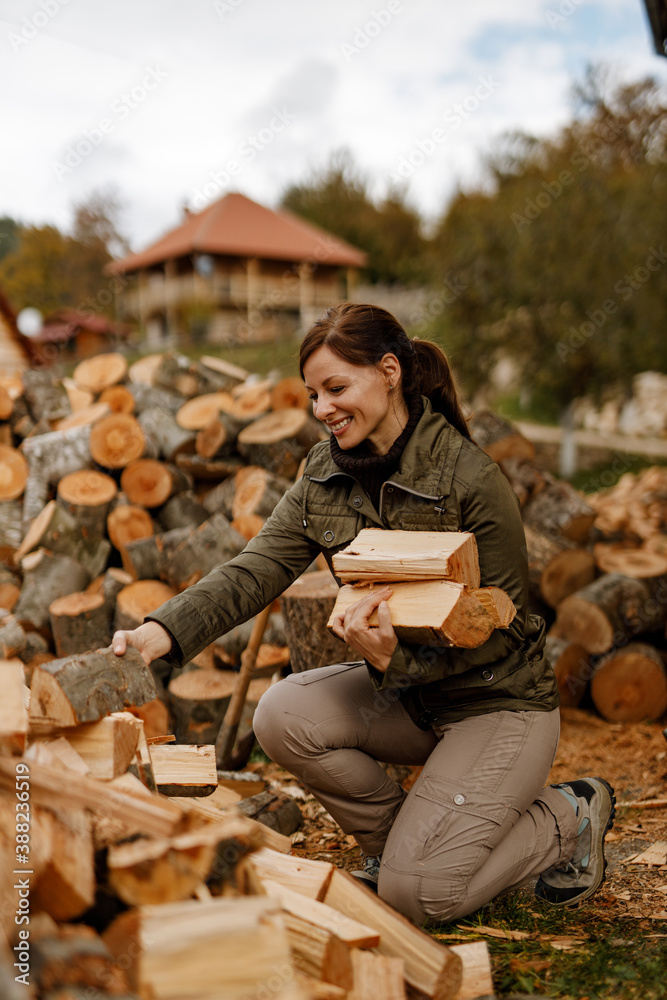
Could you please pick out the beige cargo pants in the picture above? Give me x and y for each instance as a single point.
(477, 821)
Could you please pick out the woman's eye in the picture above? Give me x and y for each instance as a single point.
(338, 388)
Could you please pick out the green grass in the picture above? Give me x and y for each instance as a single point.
(604, 474)
(616, 960)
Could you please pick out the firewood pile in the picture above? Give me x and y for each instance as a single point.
(598, 571)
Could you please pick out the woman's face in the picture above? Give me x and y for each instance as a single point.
(356, 402)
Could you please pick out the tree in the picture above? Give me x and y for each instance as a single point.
(8, 235)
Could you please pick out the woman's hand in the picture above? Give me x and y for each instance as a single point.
(150, 639)
(375, 643)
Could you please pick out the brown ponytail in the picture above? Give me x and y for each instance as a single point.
(363, 334)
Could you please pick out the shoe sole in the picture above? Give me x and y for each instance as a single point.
(599, 847)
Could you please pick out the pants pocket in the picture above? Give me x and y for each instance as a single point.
(323, 673)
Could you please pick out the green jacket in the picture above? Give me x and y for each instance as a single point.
(444, 482)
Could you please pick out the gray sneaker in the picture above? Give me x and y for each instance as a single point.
(571, 882)
(370, 873)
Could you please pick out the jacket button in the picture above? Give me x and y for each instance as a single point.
(459, 799)
(487, 675)
(329, 536)
(357, 501)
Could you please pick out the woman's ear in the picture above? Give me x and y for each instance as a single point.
(390, 369)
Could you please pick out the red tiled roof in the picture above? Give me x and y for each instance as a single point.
(237, 226)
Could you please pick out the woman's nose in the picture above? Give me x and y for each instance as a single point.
(323, 408)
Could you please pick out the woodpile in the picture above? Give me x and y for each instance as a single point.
(598, 571)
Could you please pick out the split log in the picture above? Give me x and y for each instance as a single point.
(609, 611)
(85, 688)
(13, 706)
(498, 438)
(147, 558)
(100, 372)
(57, 531)
(353, 933)
(639, 563)
(87, 495)
(477, 973)
(498, 605)
(13, 473)
(12, 636)
(79, 622)
(137, 600)
(108, 745)
(182, 510)
(142, 371)
(630, 684)
(198, 412)
(234, 374)
(72, 963)
(290, 392)
(142, 765)
(317, 952)
(558, 510)
(146, 482)
(155, 717)
(118, 399)
(202, 810)
(183, 769)
(50, 457)
(199, 700)
(11, 528)
(203, 950)
(429, 612)
(377, 976)
(572, 667)
(116, 440)
(211, 544)
(46, 576)
(45, 394)
(376, 555)
(308, 877)
(430, 968)
(79, 399)
(556, 566)
(170, 439)
(82, 418)
(65, 887)
(278, 441)
(307, 607)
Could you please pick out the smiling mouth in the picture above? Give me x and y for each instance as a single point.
(339, 425)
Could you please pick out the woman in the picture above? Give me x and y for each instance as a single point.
(483, 722)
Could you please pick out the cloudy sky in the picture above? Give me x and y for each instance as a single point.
(175, 102)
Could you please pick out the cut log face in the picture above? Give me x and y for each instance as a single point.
(256, 491)
(278, 441)
(606, 611)
(308, 877)
(139, 599)
(630, 685)
(100, 372)
(639, 563)
(87, 488)
(79, 622)
(82, 418)
(376, 555)
(199, 412)
(146, 482)
(432, 612)
(126, 524)
(184, 769)
(290, 392)
(116, 440)
(141, 372)
(247, 525)
(234, 373)
(572, 667)
(118, 399)
(557, 567)
(13, 473)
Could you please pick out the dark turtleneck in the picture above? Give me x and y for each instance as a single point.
(371, 470)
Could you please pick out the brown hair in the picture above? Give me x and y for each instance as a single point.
(363, 334)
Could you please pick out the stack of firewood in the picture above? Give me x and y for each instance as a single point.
(127, 870)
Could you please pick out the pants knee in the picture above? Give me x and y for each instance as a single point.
(423, 899)
(268, 723)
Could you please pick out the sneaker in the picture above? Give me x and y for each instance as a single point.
(370, 873)
(571, 882)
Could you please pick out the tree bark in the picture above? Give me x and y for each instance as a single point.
(307, 606)
(137, 600)
(560, 510)
(170, 439)
(211, 544)
(46, 576)
(80, 622)
(572, 667)
(556, 566)
(498, 438)
(278, 441)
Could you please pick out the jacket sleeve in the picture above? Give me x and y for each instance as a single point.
(234, 592)
(490, 511)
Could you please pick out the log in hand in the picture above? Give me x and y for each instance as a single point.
(376, 643)
(150, 639)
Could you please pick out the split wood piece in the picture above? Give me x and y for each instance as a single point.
(155, 717)
(169, 438)
(147, 558)
(208, 469)
(11, 528)
(170, 869)
(477, 975)
(353, 933)
(116, 440)
(204, 950)
(136, 601)
(307, 606)
(315, 989)
(290, 392)
(376, 555)
(556, 566)
(146, 813)
(498, 604)
(202, 811)
(73, 962)
(498, 438)
(234, 373)
(146, 482)
(525, 478)
(107, 746)
(87, 687)
(630, 685)
(429, 967)
(182, 769)
(126, 524)
(58, 750)
(79, 622)
(45, 394)
(199, 412)
(632, 508)
(572, 667)
(59, 532)
(377, 976)
(211, 544)
(279, 441)
(429, 612)
(141, 372)
(142, 764)
(50, 457)
(308, 877)
(82, 418)
(609, 610)
(182, 511)
(117, 823)
(99, 372)
(559, 509)
(65, 887)
(118, 399)
(317, 952)
(199, 700)
(79, 399)
(13, 473)
(46, 576)
(86, 495)
(12, 637)
(13, 706)
(639, 563)
(273, 809)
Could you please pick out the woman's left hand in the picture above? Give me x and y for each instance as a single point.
(376, 643)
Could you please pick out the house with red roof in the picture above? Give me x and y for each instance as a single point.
(235, 272)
